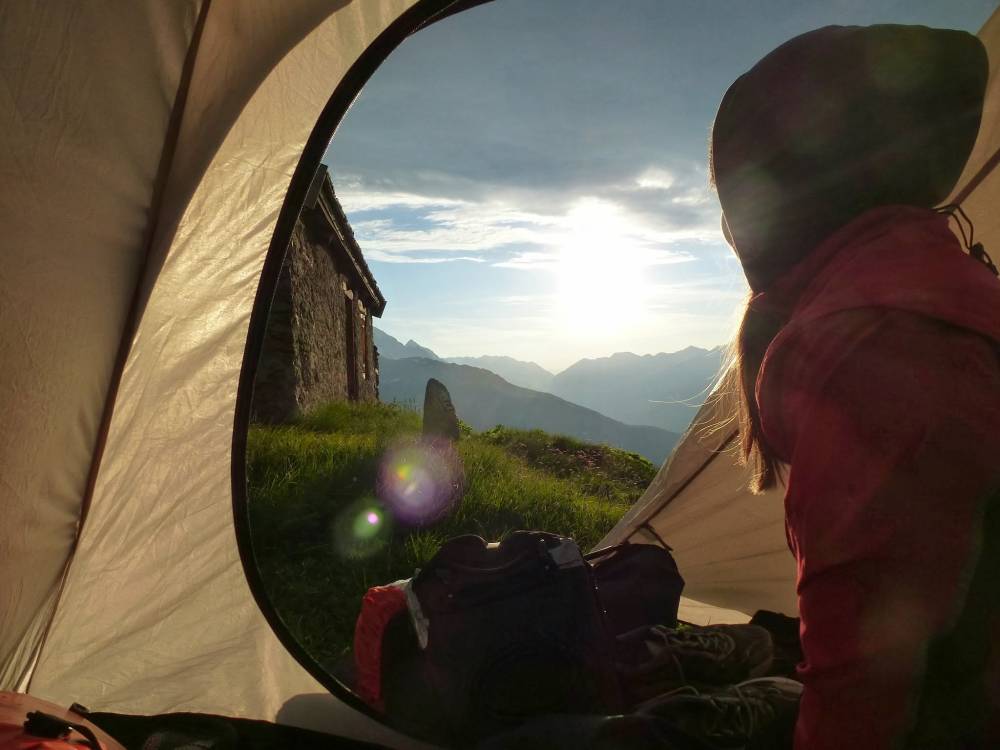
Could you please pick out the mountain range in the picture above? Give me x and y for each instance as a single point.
(393, 348)
(516, 371)
(659, 390)
(662, 390)
(483, 399)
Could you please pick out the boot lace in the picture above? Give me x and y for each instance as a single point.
(741, 713)
(736, 715)
(710, 641)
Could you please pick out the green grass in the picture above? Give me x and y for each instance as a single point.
(598, 470)
(309, 483)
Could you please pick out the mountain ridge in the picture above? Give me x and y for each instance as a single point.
(515, 371)
(483, 399)
(392, 348)
(662, 390)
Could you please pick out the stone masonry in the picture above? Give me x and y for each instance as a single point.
(318, 344)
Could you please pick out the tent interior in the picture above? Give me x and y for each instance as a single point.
(156, 159)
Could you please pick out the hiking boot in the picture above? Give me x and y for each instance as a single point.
(758, 714)
(654, 660)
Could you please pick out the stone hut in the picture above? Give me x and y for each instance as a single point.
(318, 344)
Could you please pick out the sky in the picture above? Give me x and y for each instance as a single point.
(528, 178)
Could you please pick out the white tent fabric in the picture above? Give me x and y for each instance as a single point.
(729, 544)
(202, 638)
(156, 614)
(979, 186)
(75, 200)
(147, 155)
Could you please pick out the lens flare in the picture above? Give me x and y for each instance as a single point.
(360, 529)
(421, 482)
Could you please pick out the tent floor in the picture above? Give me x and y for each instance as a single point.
(227, 733)
(696, 613)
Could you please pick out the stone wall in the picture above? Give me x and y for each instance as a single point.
(274, 383)
(315, 319)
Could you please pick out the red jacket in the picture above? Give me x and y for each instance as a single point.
(882, 394)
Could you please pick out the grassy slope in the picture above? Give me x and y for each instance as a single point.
(303, 478)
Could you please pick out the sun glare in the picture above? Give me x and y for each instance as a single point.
(602, 269)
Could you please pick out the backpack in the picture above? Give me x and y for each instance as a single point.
(513, 630)
(637, 584)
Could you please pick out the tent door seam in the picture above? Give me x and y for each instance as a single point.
(988, 166)
(131, 322)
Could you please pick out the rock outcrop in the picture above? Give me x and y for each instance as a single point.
(440, 420)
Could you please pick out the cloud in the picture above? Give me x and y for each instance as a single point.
(658, 215)
(494, 122)
(390, 258)
(429, 224)
(655, 178)
(530, 261)
(482, 135)
(362, 200)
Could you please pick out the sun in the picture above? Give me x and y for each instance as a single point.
(602, 270)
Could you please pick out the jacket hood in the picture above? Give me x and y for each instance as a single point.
(836, 122)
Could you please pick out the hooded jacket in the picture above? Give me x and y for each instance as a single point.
(836, 122)
(881, 392)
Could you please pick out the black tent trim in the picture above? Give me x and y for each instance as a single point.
(420, 15)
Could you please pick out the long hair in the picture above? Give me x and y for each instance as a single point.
(756, 332)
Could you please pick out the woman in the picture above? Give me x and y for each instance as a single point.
(870, 377)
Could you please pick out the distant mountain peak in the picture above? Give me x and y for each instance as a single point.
(515, 371)
(662, 389)
(619, 358)
(391, 347)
